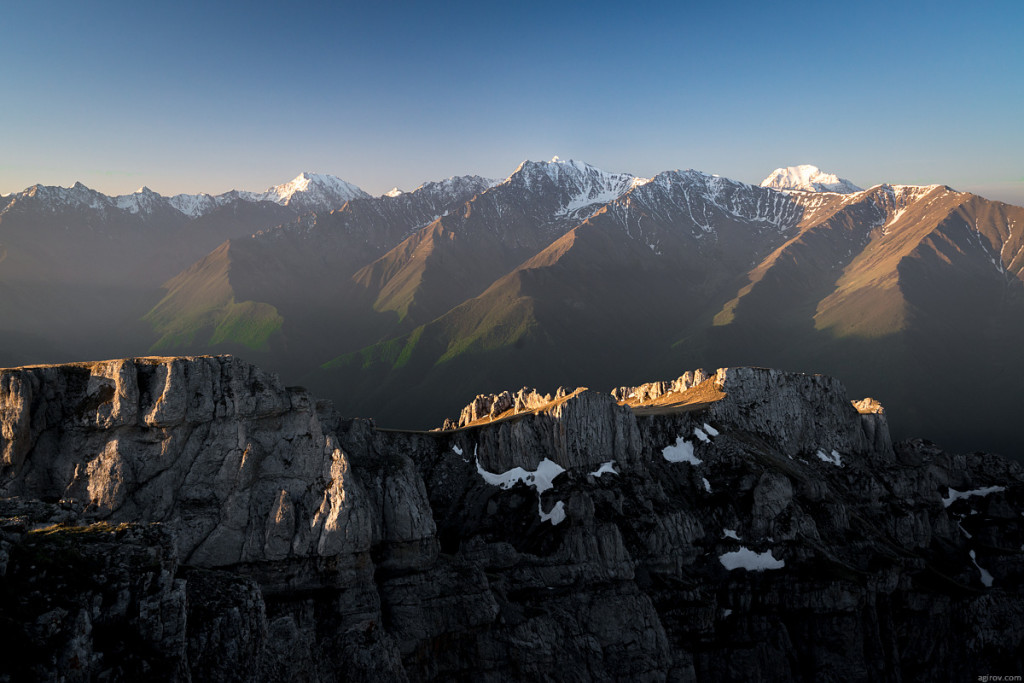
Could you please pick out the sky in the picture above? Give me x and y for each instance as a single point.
(208, 97)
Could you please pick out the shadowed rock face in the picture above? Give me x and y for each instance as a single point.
(191, 519)
(209, 445)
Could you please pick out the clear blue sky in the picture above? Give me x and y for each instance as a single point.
(189, 97)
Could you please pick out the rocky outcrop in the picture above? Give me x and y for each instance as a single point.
(490, 406)
(224, 527)
(654, 390)
(242, 472)
(241, 468)
(90, 600)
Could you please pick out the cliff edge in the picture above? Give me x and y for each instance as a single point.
(192, 519)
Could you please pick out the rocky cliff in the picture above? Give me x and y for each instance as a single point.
(192, 519)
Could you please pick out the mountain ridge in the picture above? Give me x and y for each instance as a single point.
(835, 307)
(305, 192)
(558, 272)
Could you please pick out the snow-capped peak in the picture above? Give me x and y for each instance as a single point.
(56, 197)
(393, 192)
(809, 179)
(317, 190)
(286, 191)
(306, 192)
(195, 205)
(580, 184)
(143, 201)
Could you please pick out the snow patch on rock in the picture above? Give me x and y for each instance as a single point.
(744, 558)
(833, 458)
(681, 451)
(986, 578)
(955, 495)
(540, 479)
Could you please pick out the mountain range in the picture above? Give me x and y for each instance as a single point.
(401, 306)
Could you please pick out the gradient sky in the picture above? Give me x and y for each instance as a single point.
(206, 97)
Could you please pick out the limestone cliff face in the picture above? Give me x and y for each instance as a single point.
(241, 468)
(734, 524)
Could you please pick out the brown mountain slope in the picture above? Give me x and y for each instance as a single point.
(783, 287)
(848, 272)
(79, 273)
(922, 307)
(436, 268)
(895, 287)
(288, 290)
(460, 254)
(608, 295)
(957, 237)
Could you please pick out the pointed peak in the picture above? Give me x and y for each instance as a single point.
(296, 184)
(808, 178)
(393, 192)
(304, 179)
(319, 190)
(578, 184)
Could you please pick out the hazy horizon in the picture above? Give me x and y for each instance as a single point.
(1010, 193)
(244, 96)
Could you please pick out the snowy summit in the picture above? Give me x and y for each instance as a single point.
(809, 179)
(315, 189)
(580, 187)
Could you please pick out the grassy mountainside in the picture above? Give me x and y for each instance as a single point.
(200, 309)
